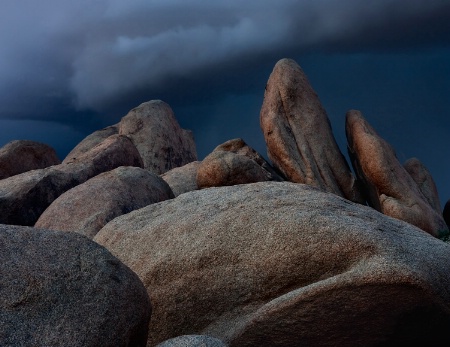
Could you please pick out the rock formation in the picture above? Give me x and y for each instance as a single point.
(425, 182)
(91, 141)
(21, 156)
(86, 208)
(182, 179)
(390, 188)
(24, 197)
(234, 162)
(298, 134)
(158, 137)
(284, 264)
(61, 289)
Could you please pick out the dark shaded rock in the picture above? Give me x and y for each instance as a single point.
(425, 182)
(61, 289)
(182, 179)
(446, 213)
(86, 208)
(24, 197)
(91, 141)
(234, 162)
(390, 188)
(162, 143)
(21, 156)
(284, 264)
(298, 134)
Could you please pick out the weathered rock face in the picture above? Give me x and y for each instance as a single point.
(86, 208)
(192, 341)
(298, 134)
(91, 141)
(21, 156)
(234, 162)
(163, 145)
(24, 197)
(446, 213)
(390, 188)
(182, 179)
(283, 264)
(425, 182)
(61, 289)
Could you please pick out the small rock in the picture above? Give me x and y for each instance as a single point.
(182, 179)
(162, 143)
(21, 156)
(86, 208)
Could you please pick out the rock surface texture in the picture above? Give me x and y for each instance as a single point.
(298, 134)
(160, 140)
(447, 213)
(234, 162)
(390, 188)
(21, 156)
(24, 197)
(182, 179)
(91, 141)
(192, 341)
(425, 182)
(86, 208)
(283, 264)
(61, 289)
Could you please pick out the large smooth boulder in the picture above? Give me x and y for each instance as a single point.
(389, 187)
(234, 162)
(62, 289)
(297, 131)
(21, 156)
(24, 197)
(425, 182)
(284, 264)
(91, 141)
(86, 208)
(182, 179)
(160, 140)
(192, 341)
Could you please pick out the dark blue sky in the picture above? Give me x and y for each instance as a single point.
(69, 68)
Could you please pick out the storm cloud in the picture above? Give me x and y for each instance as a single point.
(82, 65)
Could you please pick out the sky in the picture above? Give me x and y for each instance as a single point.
(68, 68)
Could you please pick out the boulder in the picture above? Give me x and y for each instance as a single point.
(62, 289)
(160, 140)
(21, 156)
(86, 208)
(24, 197)
(284, 264)
(234, 162)
(91, 141)
(389, 187)
(192, 341)
(182, 179)
(298, 134)
(425, 182)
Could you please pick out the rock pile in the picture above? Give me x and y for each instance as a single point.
(230, 250)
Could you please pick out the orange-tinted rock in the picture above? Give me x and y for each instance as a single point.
(62, 289)
(298, 134)
(284, 264)
(160, 140)
(24, 197)
(21, 156)
(234, 162)
(86, 208)
(390, 188)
